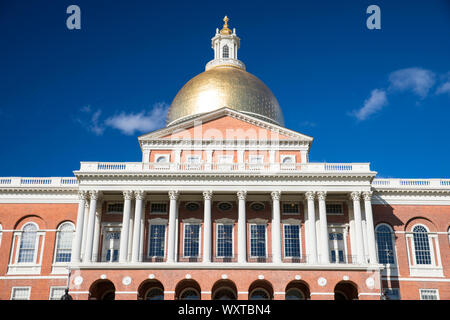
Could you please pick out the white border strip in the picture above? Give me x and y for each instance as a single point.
(416, 279)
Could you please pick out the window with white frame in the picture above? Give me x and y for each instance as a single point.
(191, 241)
(429, 294)
(290, 208)
(256, 158)
(162, 158)
(193, 161)
(292, 247)
(224, 240)
(111, 243)
(158, 208)
(1, 233)
(257, 240)
(28, 244)
(20, 293)
(336, 243)
(56, 293)
(287, 160)
(334, 208)
(385, 244)
(421, 245)
(64, 237)
(114, 207)
(225, 52)
(157, 240)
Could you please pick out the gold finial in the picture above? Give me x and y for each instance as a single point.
(225, 29)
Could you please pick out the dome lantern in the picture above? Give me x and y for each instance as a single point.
(225, 83)
(225, 44)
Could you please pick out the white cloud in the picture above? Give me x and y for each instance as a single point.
(444, 88)
(418, 80)
(373, 104)
(129, 123)
(92, 122)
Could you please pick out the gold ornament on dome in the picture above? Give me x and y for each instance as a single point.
(225, 86)
(225, 29)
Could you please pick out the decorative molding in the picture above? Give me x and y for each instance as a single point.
(310, 195)
(207, 195)
(174, 194)
(242, 195)
(127, 195)
(367, 195)
(276, 195)
(321, 195)
(355, 196)
(140, 194)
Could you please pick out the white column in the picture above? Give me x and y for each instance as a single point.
(207, 228)
(312, 240)
(94, 195)
(140, 196)
(85, 227)
(172, 237)
(370, 227)
(324, 247)
(276, 227)
(242, 228)
(76, 251)
(358, 226)
(98, 218)
(141, 241)
(123, 250)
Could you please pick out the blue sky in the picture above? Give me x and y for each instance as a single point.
(379, 96)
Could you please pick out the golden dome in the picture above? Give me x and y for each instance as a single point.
(225, 86)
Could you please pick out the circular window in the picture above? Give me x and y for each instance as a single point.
(257, 206)
(225, 206)
(192, 206)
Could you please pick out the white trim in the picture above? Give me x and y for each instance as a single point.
(393, 265)
(369, 294)
(423, 289)
(157, 222)
(290, 222)
(31, 277)
(322, 293)
(417, 279)
(52, 288)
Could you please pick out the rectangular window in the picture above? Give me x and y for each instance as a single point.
(256, 159)
(224, 240)
(56, 293)
(258, 240)
(292, 241)
(334, 208)
(111, 244)
(157, 240)
(191, 240)
(429, 294)
(115, 207)
(158, 208)
(337, 246)
(290, 208)
(20, 293)
(64, 246)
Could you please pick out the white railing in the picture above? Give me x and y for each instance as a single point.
(412, 183)
(39, 182)
(225, 167)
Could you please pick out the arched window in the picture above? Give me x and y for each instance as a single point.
(385, 244)
(259, 294)
(27, 249)
(294, 294)
(225, 52)
(190, 294)
(64, 242)
(421, 245)
(154, 294)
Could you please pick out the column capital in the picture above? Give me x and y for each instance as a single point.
(174, 194)
(139, 194)
(276, 195)
(207, 195)
(94, 194)
(322, 195)
(367, 195)
(310, 195)
(355, 195)
(128, 194)
(242, 195)
(83, 195)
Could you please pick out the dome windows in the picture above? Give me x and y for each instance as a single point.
(225, 52)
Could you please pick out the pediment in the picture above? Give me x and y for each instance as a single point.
(225, 124)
